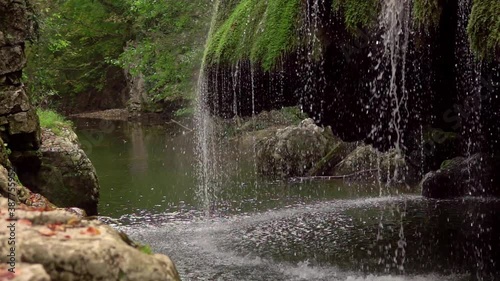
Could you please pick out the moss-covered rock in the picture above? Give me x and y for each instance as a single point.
(365, 162)
(292, 151)
(357, 13)
(476, 175)
(427, 13)
(258, 30)
(484, 28)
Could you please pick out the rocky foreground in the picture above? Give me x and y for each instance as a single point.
(39, 244)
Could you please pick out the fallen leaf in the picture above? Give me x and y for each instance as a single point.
(91, 231)
(56, 227)
(25, 222)
(67, 236)
(46, 232)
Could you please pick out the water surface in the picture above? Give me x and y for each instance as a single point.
(275, 230)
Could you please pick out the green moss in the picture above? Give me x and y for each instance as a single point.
(258, 30)
(52, 120)
(146, 249)
(357, 13)
(484, 28)
(427, 13)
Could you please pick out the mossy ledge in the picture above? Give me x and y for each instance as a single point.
(484, 29)
(261, 31)
(427, 13)
(358, 13)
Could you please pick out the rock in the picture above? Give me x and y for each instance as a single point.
(292, 151)
(272, 119)
(19, 125)
(14, 22)
(70, 248)
(25, 272)
(13, 100)
(365, 162)
(477, 175)
(13, 59)
(8, 184)
(66, 176)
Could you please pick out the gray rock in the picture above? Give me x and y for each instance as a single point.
(8, 180)
(14, 22)
(13, 100)
(292, 151)
(13, 59)
(473, 176)
(365, 162)
(23, 122)
(66, 176)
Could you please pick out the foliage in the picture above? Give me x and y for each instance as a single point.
(168, 45)
(52, 120)
(255, 29)
(77, 41)
(81, 39)
(427, 13)
(484, 28)
(357, 13)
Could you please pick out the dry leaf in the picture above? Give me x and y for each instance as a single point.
(91, 231)
(56, 227)
(25, 222)
(46, 232)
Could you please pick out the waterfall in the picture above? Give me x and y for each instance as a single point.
(394, 21)
(468, 86)
(312, 65)
(205, 129)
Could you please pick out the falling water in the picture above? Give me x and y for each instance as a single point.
(468, 83)
(207, 166)
(314, 78)
(395, 23)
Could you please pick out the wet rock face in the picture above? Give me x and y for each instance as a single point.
(292, 151)
(59, 245)
(65, 175)
(473, 176)
(19, 125)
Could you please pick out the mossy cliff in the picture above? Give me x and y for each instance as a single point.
(262, 31)
(484, 28)
(257, 30)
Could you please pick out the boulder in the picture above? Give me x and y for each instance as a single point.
(366, 162)
(292, 151)
(477, 175)
(59, 245)
(65, 176)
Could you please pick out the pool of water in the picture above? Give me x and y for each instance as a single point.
(275, 230)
